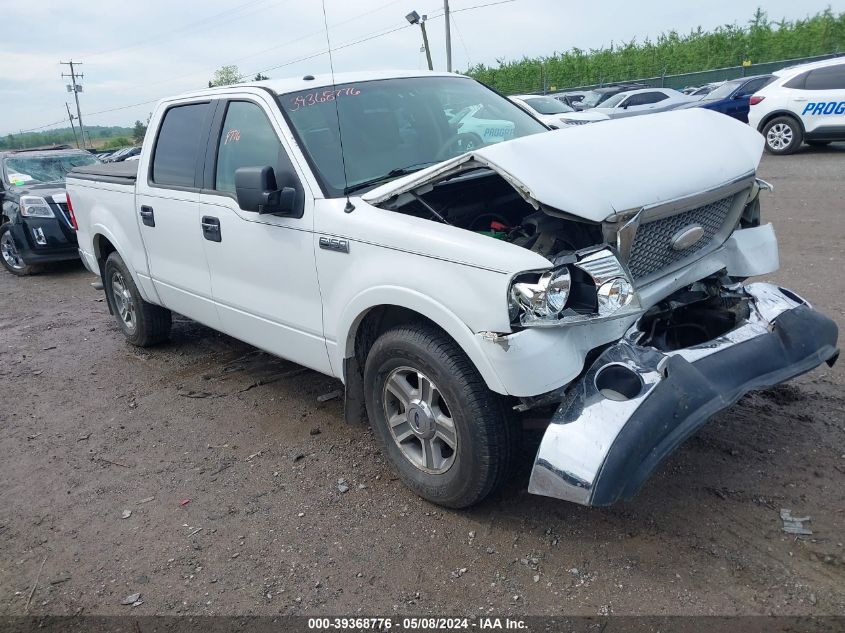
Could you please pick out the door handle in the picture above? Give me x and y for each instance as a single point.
(800, 98)
(211, 228)
(147, 216)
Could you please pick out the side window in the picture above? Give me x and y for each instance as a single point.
(646, 98)
(828, 78)
(753, 86)
(797, 82)
(247, 140)
(179, 141)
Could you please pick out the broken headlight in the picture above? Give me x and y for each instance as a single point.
(593, 286)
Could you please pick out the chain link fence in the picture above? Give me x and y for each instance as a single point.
(681, 81)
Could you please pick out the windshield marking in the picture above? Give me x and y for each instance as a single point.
(313, 98)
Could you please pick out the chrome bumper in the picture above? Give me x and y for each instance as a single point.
(635, 405)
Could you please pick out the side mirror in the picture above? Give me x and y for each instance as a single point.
(256, 190)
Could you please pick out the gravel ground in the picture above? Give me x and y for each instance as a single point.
(204, 476)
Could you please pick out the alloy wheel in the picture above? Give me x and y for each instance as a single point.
(10, 252)
(779, 136)
(123, 302)
(420, 420)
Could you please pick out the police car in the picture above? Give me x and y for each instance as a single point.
(804, 104)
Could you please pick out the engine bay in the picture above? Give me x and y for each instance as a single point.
(483, 202)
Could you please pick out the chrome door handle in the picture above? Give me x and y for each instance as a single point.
(147, 216)
(211, 228)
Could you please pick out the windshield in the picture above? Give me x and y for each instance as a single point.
(21, 170)
(613, 101)
(724, 90)
(548, 105)
(593, 98)
(395, 126)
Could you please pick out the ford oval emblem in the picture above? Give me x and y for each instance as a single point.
(686, 237)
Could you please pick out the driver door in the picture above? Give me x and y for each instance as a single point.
(263, 271)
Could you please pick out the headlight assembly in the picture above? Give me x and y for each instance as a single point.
(35, 207)
(594, 286)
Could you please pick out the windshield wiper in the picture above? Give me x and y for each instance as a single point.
(392, 174)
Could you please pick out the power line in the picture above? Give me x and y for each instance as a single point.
(285, 44)
(193, 26)
(298, 59)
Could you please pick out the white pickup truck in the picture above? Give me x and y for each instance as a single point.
(458, 283)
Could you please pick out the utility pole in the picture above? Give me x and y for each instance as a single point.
(414, 18)
(76, 88)
(448, 36)
(72, 126)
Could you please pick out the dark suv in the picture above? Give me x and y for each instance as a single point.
(36, 226)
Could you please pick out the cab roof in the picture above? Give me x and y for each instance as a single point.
(795, 70)
(307, 82)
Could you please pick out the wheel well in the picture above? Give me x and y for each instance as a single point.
(102, 249)
(377, 321)
(370, 326)
(780, 113)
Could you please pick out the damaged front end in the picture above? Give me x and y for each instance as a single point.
(687, 358)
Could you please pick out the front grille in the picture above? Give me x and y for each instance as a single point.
(652, 249)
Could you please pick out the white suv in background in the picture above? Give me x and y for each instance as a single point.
(804, 104)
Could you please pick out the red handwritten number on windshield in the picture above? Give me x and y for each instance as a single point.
(321, 96)
(232, 136)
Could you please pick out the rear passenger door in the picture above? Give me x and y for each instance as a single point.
(167, 211)
(822, 105)
(263, 268)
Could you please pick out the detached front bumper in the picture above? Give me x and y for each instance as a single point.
(636, 404)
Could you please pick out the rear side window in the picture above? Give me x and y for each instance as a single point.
(247, 140)
(645, 98)
(797, 82)
(180, 139)
(753, 86)
(828, 78)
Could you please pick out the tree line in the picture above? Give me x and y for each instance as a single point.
(65, 136)
(760, 40)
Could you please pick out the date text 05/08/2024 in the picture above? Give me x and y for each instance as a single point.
(415, 624)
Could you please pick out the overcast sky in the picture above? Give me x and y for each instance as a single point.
(133, 52)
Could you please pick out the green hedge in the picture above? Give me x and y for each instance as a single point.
(672, 53)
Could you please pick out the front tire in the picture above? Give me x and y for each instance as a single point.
(783, 135)
(11, 257)
(445, 433)
(143, 324)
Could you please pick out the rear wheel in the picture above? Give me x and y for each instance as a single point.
(445, 433)
(783, 135)
(11, 257)
(142, 323)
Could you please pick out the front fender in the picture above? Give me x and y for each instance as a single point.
(11, 210)
(362, 303)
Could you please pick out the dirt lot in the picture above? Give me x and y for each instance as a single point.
(230, 468)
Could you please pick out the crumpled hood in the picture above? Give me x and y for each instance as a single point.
(594, 171)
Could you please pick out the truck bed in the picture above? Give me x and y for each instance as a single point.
(123, 173)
